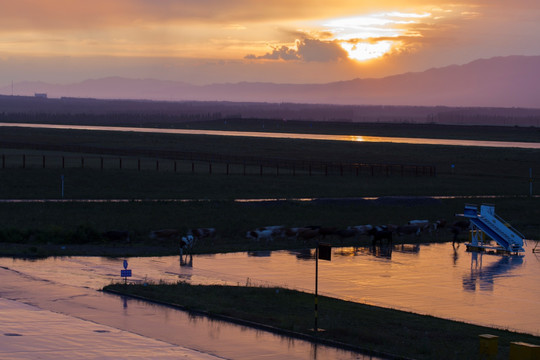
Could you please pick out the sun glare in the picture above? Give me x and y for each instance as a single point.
(371, 36)
(367, 51)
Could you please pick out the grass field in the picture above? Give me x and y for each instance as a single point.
(154, 200)
(83, 223)
(480, 172)
(367, 327)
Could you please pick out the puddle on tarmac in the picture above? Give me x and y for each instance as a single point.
(433, 279)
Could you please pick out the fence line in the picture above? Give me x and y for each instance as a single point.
(201, 164)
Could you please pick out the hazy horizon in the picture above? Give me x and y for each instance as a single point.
(497, 82)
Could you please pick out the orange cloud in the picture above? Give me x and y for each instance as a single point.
(306, 50)
(68, 14)
(295, 33)
(278, 53)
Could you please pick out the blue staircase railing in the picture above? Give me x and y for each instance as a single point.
(494, 227)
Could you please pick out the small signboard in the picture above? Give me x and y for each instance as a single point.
(125, 273)
(325, 252)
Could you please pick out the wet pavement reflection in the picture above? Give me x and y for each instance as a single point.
(61, 289)
(33, 333)
(299, 136)
(435, 279)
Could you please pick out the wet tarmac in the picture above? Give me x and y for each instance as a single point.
(32, 333)
(434, 279)
(37, 313)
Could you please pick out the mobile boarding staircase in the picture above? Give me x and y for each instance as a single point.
(488, 223)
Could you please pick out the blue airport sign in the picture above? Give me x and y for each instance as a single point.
(125, 273)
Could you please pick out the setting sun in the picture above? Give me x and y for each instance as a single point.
(367, 51)
(208, 42)
(372, 36)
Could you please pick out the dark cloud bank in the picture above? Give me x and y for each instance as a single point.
(306, 50)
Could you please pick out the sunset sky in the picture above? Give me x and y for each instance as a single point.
(301, 41)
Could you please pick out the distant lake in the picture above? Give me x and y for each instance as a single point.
(277, 135)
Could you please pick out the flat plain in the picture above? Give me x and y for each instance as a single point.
(170, 191)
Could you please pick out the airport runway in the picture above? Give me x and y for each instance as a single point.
(45, 319)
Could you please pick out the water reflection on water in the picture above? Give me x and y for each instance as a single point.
(350, 138)
(205, 335)
(484, 276)
(434, 279)
(270, 200)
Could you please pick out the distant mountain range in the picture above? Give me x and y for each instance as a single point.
(512, 81)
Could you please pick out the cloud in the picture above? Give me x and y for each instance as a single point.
(70, 14)
(317, 50)
(307, 50)
(137, 32)
(279, 53)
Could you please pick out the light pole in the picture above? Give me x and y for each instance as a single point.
(323, 251)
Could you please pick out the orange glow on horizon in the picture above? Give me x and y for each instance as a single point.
(305, 41)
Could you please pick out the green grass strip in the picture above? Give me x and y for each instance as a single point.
(371, 328)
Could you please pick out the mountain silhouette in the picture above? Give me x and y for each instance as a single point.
(512, 81)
